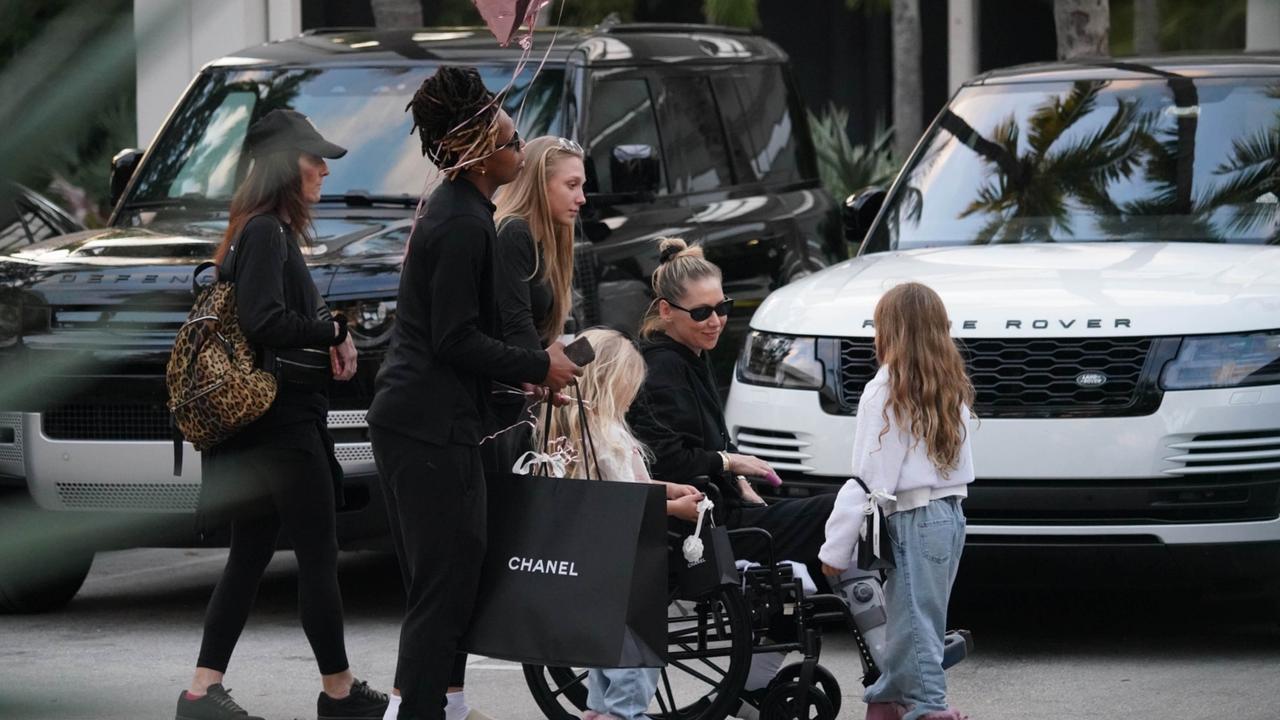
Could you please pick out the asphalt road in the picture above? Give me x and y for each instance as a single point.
(1087, 641)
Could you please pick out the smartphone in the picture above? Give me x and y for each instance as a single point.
(580, 352)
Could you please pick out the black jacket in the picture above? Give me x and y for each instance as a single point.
(524, 297)
(678, 415)
(434, 384)
(279, 307)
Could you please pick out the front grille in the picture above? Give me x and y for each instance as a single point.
(129, 496)
(117, 421)
(785, 451)
(1033, 377)
(1207, 498)
(1227, 453)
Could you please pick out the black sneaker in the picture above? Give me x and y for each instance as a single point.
(362, 703)
(215, 704)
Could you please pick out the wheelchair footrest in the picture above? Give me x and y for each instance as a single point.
(957, 645)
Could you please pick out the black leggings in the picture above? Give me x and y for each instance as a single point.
(302, 503)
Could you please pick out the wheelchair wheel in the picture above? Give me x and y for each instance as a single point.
(709, 643)
(822, 680)
(780, 704)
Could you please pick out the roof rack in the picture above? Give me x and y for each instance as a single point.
(624, 28)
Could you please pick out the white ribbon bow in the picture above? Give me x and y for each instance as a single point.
(875, 500)
(692, 545)
(557, 461)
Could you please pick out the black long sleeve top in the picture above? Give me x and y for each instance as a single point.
(524, 297)
(678, 415)
(434, 383)
(279, 307)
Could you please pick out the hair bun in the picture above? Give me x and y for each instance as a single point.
(669, 248)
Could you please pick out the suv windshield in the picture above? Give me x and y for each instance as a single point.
(198, 160)
(1162, 159)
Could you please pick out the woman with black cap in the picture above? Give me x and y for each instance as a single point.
(432, 405)
(279, 472)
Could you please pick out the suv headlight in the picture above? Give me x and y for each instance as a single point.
(371, 321)
(784, 361)
(1218, 361)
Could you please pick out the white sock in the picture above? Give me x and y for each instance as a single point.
(456, 706)
(393, 707)
(764, 666)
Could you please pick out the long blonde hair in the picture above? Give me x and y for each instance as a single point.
(526, 198)
(928, 384)
(609, 384)
(679, 265)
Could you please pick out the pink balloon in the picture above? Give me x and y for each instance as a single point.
(504, 17)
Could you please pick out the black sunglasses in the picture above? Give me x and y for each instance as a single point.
(702, 312)
(515, 143)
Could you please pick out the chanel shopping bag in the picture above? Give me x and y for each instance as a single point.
(711, 566)
(575, 573)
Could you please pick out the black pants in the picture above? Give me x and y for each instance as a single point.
(436, 509)
(301, 502)
(798, 527)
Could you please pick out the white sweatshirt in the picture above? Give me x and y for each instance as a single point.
(620, 457)
(896, 463)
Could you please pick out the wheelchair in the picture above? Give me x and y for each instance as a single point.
(711, 640)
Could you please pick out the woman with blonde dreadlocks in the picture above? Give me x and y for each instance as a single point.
(431, 406)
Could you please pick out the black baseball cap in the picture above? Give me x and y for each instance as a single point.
(289, 129)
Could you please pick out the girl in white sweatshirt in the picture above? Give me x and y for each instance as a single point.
(911, 449)
(610, 384)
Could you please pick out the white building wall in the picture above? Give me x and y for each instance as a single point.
(1262, 25)
(175, 38)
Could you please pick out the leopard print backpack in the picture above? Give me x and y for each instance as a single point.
(215, 387)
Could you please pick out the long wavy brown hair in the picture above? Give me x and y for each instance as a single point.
(526, 198)
(928, 384)
(273, 185)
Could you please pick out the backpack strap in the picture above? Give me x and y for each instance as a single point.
(195, 275)
(177, 446)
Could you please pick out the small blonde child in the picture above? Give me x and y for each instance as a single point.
(609, 385)
(911, 448)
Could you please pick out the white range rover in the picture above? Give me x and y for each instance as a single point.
(1105, 238)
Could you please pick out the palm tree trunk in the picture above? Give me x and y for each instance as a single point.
(907, 91)
(1146, 27)
(397, 13)
(1083, 27)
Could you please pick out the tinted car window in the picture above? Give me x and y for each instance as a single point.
(621, 120)
(21, 224)
(362, 109)
(1137, 160)
(692, 135)
(757, 110)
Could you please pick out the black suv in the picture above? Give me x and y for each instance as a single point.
(690, 131)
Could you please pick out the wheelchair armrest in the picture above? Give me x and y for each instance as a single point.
(763, 534)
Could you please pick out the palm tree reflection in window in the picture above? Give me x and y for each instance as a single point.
(1027, 195)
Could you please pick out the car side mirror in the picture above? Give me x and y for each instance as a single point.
(860, 210)
(122, 167)
(634, 169)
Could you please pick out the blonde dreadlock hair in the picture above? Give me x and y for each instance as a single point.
(456, 117)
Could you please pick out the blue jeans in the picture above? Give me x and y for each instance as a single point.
(621, 692)
(927, 543)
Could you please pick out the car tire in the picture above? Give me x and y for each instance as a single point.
(41, 584)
